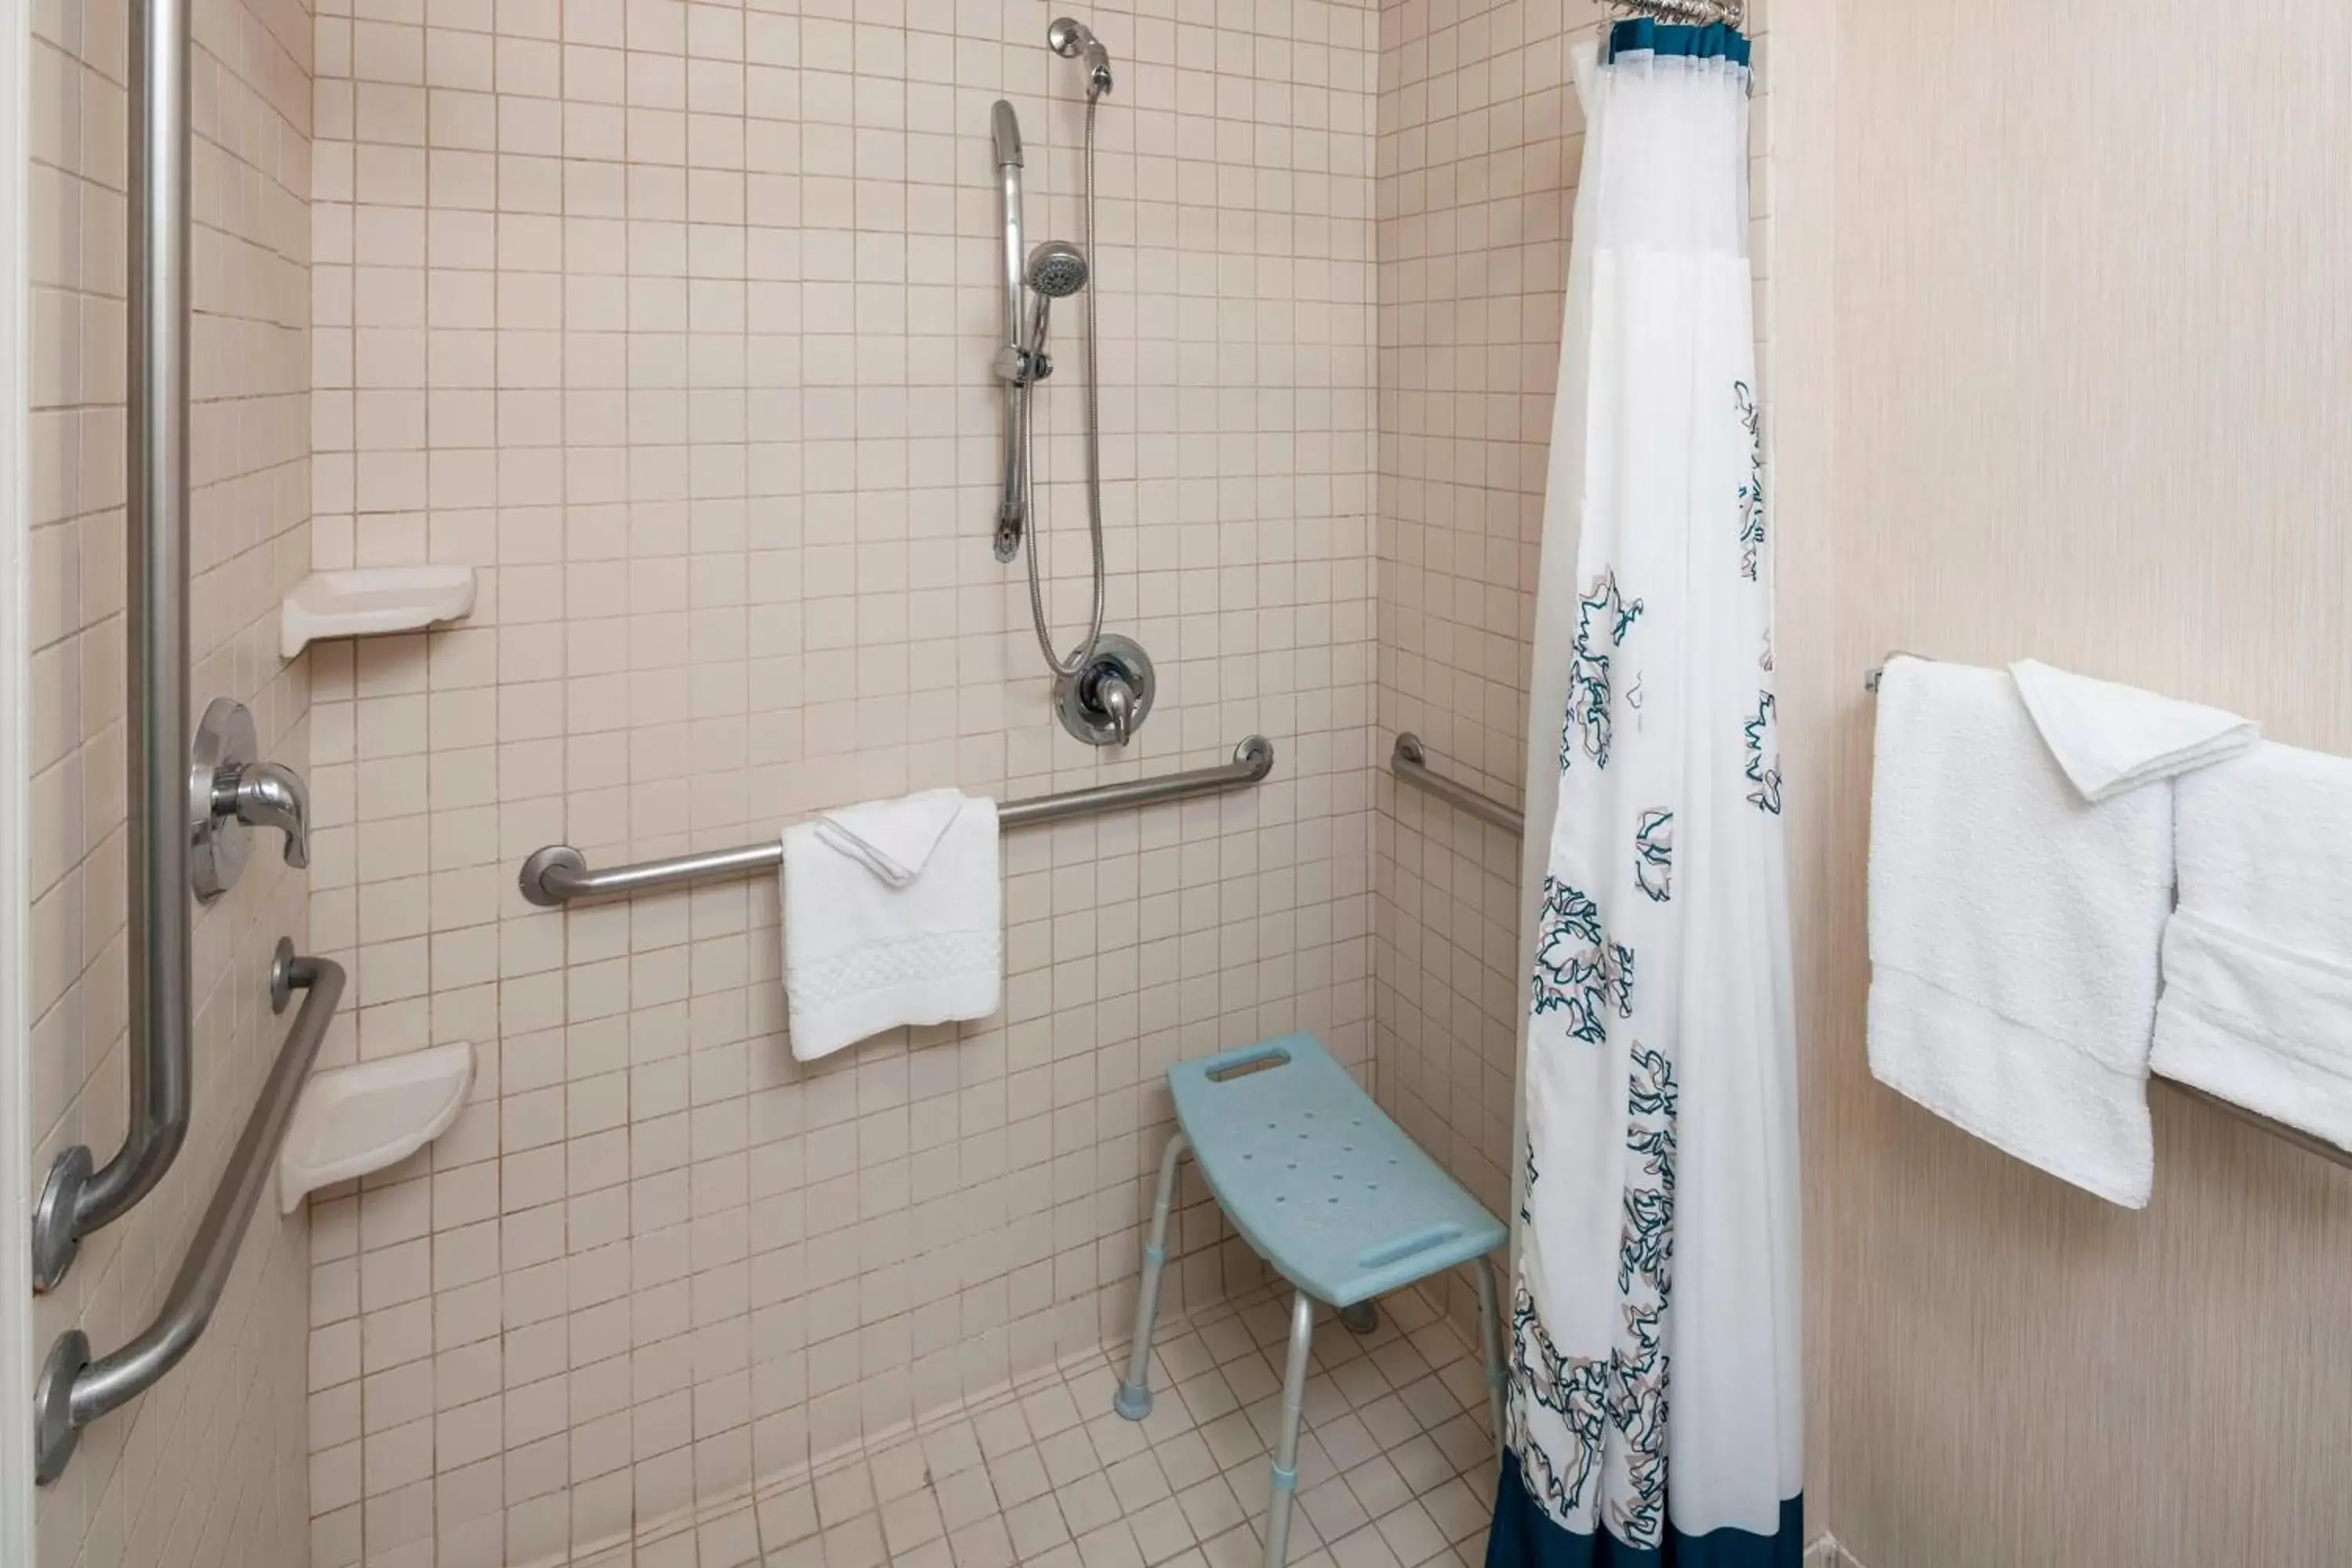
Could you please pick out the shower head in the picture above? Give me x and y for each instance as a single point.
(1055, 269)
(1072, 38)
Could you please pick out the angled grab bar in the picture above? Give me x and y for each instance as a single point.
(559, 873)
(74, 1390)
(77, 1199)
(1410, 762)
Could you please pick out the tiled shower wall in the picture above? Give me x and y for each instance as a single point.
(674, 321)
(207, 1468)
(1481, 138)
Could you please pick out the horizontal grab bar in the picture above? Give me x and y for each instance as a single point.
(559, 873)
(74, 1390)
(1411, 765)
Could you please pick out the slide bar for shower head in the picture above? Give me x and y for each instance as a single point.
(559, 873)
(1011, 508)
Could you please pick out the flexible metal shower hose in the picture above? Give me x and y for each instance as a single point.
(1085, 653)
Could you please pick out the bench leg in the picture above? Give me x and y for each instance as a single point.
(1134, 1397)
(1286, 1449)
(1489, 1341)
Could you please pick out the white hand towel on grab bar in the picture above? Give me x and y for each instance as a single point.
(893, 914)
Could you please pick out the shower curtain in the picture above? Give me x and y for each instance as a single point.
(1653, 1401)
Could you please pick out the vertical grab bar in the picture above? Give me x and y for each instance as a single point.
(75, 1200)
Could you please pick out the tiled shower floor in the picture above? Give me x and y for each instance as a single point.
(1396, 1467)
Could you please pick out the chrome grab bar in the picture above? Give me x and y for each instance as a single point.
(77, 1200)
(74, 1390)
(559, 873)
(1411, 765)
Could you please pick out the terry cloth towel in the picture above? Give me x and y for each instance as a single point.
(2257, 1005)
(2013, 932)
(2111, 737)
(892, 914)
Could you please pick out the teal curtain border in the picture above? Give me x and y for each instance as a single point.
(1643, 35)
(1524, 1536)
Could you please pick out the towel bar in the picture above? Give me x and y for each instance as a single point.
(2279, 1130)
(1411, 764)
(559, 873)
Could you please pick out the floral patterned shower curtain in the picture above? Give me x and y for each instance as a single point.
(1653, 1409)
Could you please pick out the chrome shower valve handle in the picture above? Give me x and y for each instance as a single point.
(231, 791)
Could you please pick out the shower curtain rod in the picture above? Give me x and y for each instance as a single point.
(1690, 12)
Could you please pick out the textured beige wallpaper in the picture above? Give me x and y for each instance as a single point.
(2076, 382)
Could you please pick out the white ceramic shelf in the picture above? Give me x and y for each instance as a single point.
(372, 602)
(356, 1120)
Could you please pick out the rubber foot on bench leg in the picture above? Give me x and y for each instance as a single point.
(1132, 1402)
(1361, 1319)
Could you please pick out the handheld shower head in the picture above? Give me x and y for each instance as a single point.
(1057, 270)
(1072, 38)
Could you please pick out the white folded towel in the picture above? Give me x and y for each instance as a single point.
(893, 914)
(2112, 738)
(2257, 1005)
(892, 838)
(2013, 932)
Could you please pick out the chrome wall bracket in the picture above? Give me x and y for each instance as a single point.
(57, 1216)
(553, 857)
(1106, 703)
(55, 1433)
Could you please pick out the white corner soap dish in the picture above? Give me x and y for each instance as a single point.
(355, 1120)
(372, 602)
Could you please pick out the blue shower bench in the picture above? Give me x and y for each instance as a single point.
(1329, 1191)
